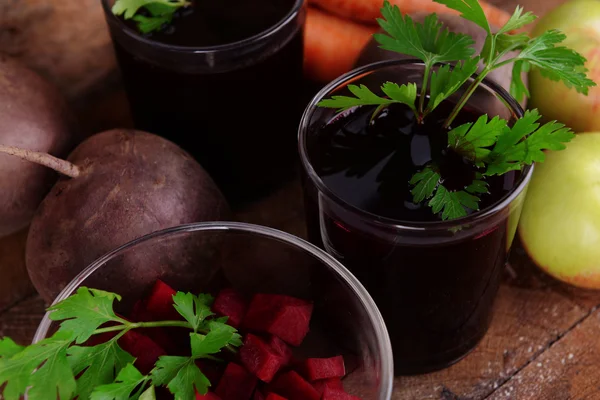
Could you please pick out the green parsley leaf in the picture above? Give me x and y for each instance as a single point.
(405, 94)
(221, 328)
(426, 182)
(195, 309)
(518, 89)
(469, 9)
(478, 186)
(428, 41)
(471, 140)
(517, 20)
(446, 80)
(525, 143)
(9, 348)
(83, 312)
(506, 42)
(99, 364)
(127, 381)
(149, 24)
(452, 204)
(128, 8)
(556, 63)
(48, 358)
(181, 376)
(161, 12)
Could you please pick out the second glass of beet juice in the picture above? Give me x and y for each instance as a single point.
(434, 281)
(213, 79)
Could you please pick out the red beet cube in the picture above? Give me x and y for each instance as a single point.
(284, 316)
(294, 387)
(331, 383)
(236, 383)
(336, 394)
(207, 396)
(273, 396)
(160, 302)
(258, 395)
(145, 350)
(230, 303)
(281, 348)
(323, 368)
(259, 358)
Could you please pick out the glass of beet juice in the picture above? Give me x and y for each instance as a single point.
(212, 80)
(434, 281)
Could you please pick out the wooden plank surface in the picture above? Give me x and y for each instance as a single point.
(541, 345)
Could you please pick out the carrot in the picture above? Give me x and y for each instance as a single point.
(370, 10)
(332, 44)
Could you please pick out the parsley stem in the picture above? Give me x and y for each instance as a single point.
(465, 97)
(424, 90)
(135, 325)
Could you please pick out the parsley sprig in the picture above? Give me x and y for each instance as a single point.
(61, 364)
(159, 12)
(491, 145)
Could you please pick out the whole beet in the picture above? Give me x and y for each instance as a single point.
(33, 115)
(125, 184)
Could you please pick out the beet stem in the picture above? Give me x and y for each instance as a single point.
(62, 166)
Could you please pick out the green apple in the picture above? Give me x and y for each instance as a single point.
(560, 222)
(580, 21)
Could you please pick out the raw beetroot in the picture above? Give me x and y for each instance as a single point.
(333, 394)
(145, 350)
(207, 396)
(160, 302)
(259, 358)
(323, 368)
(294, 387)
(331, 383)
(284, 316)
(281, 348)
(273, 396)
(236, 383)
(231, 303)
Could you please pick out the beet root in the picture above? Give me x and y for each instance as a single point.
(33, 115)
(128, 184)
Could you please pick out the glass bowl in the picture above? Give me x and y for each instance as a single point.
(205, 257)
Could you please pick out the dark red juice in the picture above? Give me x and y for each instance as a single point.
(235, 109)
(436, 296)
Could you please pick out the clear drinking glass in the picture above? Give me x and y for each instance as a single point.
(205, 257)
(220, 103)
(434, 282)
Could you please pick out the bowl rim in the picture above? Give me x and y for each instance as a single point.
(386, 375)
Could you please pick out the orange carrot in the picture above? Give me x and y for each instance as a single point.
(370, 10)
(332, 45)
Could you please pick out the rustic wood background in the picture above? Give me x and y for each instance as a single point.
(543, 343)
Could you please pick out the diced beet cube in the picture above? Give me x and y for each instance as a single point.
(207, 396)
(281, 348)
(145, 350)
(259, 358)
(273, 396)
(331, 383)
(294, 387)
(236, 383)
(160, 302)
(336, 394)
(284, 316)
(323, 368)
(258, 395)
(230, 303)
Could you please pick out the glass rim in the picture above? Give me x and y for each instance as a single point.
(382, 340)
(340, 82)
(287, 19)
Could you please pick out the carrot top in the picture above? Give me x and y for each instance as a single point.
(491, 145)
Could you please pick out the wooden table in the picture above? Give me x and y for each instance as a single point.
(542, 343)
